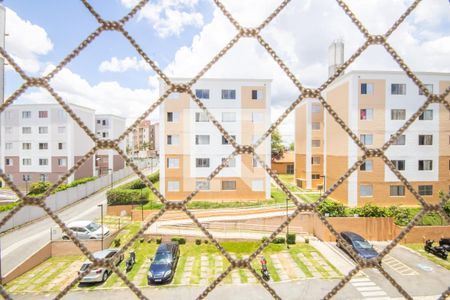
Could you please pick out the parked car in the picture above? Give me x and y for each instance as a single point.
(162, 268)
(100, 274)
(86, 230)
(359, 245)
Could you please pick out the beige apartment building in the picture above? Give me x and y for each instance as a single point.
(374, 105)
(143, 141)
(191, 147)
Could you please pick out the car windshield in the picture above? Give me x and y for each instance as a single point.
(162, 258)
(92, 227)
(362, 244)
(85, 266)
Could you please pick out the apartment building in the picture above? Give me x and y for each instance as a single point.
(191, 147)
(109, 126)
(40, 142)
(375, 104)
(142, 143)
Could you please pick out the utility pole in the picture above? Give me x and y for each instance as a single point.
(101, 216)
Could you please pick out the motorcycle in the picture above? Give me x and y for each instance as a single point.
(264, 271)
(445, 243)
(438, 251)
(130, 261)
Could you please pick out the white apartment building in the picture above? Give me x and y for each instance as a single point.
(191, 147)
(109, 126)
(40, 142)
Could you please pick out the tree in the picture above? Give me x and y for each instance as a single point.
(291, 146)
(277, 145)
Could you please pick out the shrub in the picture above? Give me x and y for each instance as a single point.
(370, 210)
(120, 196)
(179, 240)
(81, 181)
(264, 238)
(116, 242)
(198, 241)
(333, 208)
(279, 240)
(150, 240)
(158, 240)
(290, 238)
(205, 242)
(141, 240)
(38, 188)
(306, 241)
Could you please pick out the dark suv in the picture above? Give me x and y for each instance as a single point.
(359, 245)
(162, 268)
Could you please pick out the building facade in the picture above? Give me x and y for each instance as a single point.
(142, 142)
(374, 105)
(109, 126)
(40, 142)
(191, 147)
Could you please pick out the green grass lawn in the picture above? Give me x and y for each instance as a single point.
(419, 249)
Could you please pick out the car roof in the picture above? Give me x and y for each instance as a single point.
(79, 223)
(352, 235)
(166, 246)
(102, 253)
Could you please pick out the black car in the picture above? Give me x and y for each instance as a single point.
(162, 268)
(359, 245)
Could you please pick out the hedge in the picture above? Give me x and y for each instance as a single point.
(290, 238)
(134, 192)
(279, 240)
(179, 240)
(40, 187)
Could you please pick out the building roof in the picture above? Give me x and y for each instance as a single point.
(288, 157)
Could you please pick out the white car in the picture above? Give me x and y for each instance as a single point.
(86, 230)
(100, 274)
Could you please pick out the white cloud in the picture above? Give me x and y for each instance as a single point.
(121, 65)
(169, 17)
(26, 41)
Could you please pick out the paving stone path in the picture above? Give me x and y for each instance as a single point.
(186, 278)
(205, 270)
(291, 266)
(279, 267)
(64, 278)
(309, 265)
(141, 274)
(324, 264)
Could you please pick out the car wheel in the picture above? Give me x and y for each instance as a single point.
(65, 238)
(105, 276)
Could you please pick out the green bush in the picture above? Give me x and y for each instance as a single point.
(179, 240)
(198, 242)
(333, 208)
(264, 238)
(306, 241)
(158, 240)
(81, 181)
(205, 242)
(290, 238)
(7, 207)
(116, 242)
(279, 240)
(370, 210)
(39, 187)
(121, 196)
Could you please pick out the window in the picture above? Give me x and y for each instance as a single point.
(290, 169)
(26, 161)
(105, 134)
(61, 146)
(202, 94)
(399, 164)
(366, 139)
(99, 122)
(429, 88)
(228, 117)
(366, 114)
(173, 139)
(366, 88)
(397, 190)
(8, 146)
(202, 162)
(401, 140)
(398, 89)
(229, 94)
(426, 115)
(26, 130)
(173, 163)
(398, 114)
(366, 190)
(315, 143)
(202, 139)
(256, 95)
(426, 190)
(425, 165)
(62, 162)
(43, 146)
(231, 162)
(315, 176)
(61, 130)
(43, 161)
(315, 160)
(8, 162)
(26, 114)
(201, 117)
(425, 139)
(43, 114)
(202, 185)
(8, 115)
(315, 125)
(26, 177)
(8, 130)
(257, 117)
(43, 177)
(225, 141)
(258, 185)
(367, 165)
(43, 130)
(104, 122)
(315, 108)
(173, 186)
(173, 117)
(228, 185)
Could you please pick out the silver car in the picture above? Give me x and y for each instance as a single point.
(100, 274)
(86, 230)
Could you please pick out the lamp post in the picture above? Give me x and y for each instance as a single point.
(142, 208)
(324, 182)
(287, 227)
(112, 178)
(101, 216)
(26, 179)
(99, 169)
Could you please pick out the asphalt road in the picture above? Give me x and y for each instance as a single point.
(19, 244)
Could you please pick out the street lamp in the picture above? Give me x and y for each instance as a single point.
(101, 216)
(97, 164)
(112, 177)
(287, 227)
(324, 182)
(26, 178)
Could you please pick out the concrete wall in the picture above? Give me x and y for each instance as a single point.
(420, 234)
(66, 248)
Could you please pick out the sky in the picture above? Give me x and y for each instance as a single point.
(181, 36)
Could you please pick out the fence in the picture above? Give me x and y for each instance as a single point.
(64, 198)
